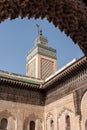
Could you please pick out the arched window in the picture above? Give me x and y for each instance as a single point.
(86, 125)
(3, 124)
(32, 125)
(51, 125)
(67, 122)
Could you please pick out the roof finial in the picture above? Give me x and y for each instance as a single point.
(38, 29)
(40, 32)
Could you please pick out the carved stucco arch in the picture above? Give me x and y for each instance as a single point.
(61, 118)
(50, 116)
(78, 97)
(69, 16)
(6, 114)
(83, 99)
(84, 109)
(29, 118)
(65, 111)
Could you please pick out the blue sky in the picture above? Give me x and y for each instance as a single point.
(17, 37)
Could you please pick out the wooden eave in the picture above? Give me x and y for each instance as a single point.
(18, 84)
(67, 73)
(63, 76)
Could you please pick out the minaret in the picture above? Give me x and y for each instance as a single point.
(41, 60)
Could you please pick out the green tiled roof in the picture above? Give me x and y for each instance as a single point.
(46, 47)
(19, 78)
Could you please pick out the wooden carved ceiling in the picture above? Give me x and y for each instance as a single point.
(69, 16)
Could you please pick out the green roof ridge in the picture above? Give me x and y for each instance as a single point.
(46, 47)
(20, 79)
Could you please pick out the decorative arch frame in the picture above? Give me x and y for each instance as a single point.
(28, 119)
(65, 14)
(83, 114)
(64, 113)
(78, 96)
(84, 92)
(3, 123)
(49, 118)
(7, 115)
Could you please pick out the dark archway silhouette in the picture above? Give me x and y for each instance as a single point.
(51, 125)
(32, 125)
(86, 125)
(67, 122)
(3, 124)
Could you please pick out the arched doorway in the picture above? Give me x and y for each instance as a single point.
(67, 122)
(84, 111)
(51, 125)
(32, 125)
(3, 124)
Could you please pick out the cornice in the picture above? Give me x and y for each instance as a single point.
(41, 50)
(72, 85)
(70, 71)
(63, 76)
(71, 79)
(19, 80)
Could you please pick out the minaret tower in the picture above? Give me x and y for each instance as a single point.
(41, 60)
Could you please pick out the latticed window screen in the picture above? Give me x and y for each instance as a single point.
(46, 68)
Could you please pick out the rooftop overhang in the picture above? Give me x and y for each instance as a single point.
(25, 82)
(69, 72)
(19, 81)
(19, 88)
(69, 16)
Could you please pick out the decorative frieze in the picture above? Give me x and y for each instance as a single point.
(71, 85)
(72, 79)
(27, 96)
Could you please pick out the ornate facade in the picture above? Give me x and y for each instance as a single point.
(58, 102)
